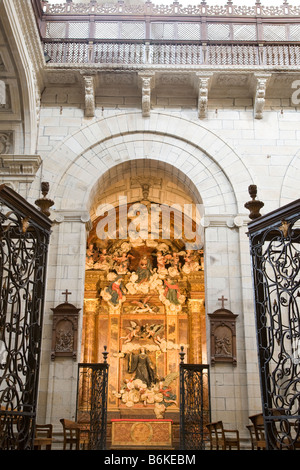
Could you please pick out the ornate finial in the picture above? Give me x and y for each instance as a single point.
(253, 206)
(105, 354)
(182, 354)
(44, 203)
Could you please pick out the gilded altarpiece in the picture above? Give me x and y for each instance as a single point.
(143, 300)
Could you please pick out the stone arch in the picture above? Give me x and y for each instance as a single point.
(195, 152)
(289, 189)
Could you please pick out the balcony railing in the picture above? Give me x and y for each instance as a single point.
(171, 53)
(173, 9)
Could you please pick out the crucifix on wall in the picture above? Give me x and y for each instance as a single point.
(222, 299)
(66, 293)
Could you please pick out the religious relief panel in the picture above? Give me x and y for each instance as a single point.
(65, 330)
(223, 335)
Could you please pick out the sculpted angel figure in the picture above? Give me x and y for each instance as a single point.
(133, 331)
(143, 305)
(103, 262)
(161, 263)
(154, 331)
(191, 262)
(123, 261)
(89, 259)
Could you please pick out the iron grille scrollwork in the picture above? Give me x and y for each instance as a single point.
(194, 405)
(92, 402)
(275, 253)
(24, 239)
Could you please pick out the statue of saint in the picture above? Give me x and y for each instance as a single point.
(142, 366)
(115, 289)
(172, 291)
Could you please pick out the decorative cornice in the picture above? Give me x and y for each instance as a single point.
(19, 165)
(174, 9)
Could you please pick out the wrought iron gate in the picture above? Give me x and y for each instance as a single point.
(92, 402)
(24, 239)
(275, 252)
(194, 405)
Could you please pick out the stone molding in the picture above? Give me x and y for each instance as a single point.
(19, 165)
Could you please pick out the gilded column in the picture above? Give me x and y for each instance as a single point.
(89, 345)
(195, 307)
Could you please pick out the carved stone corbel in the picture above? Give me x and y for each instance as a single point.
(89, 95)
(260, 95)
(147, 83)
(204, 82)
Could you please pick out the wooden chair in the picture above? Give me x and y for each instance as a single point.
(284, 441)
(259, 430)
(220, 438)
(43, 436)
(251, 430)
(71, 432)
(72, 435)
